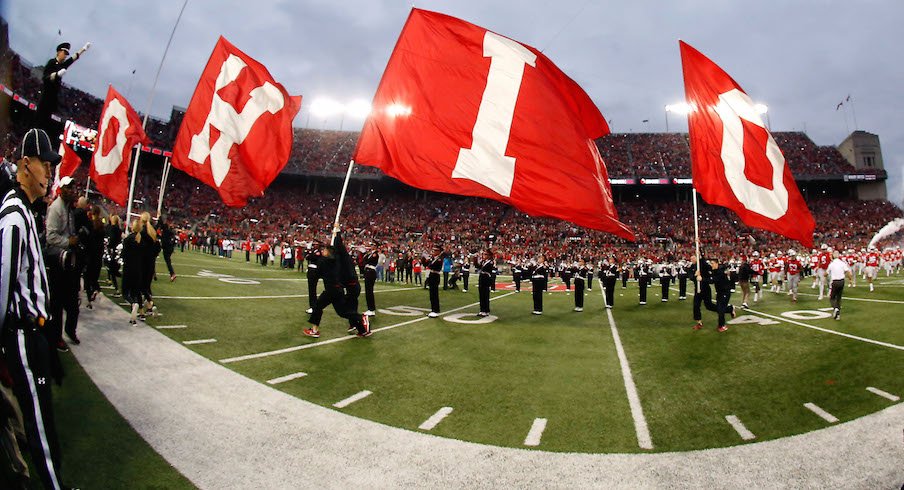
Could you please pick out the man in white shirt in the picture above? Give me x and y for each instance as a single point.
(837, 271)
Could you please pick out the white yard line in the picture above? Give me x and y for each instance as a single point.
(739, 428)
(167, 327)
(883, 394)
(342, 339)
(826, 330)
(199, 341)
(352, 399)
(640, 422)
(822, 413)
(536, 432)
(435, 419)
(845, 298)
(288, 377)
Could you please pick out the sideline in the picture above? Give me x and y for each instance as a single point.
(347, 337)
(223, 430)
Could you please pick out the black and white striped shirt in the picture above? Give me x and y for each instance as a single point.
(23, 280)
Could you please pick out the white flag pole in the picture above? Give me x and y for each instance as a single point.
(88, 186)
(163, 179)
(144, 123)
(132, 186)
(696, 235)
(348, 175)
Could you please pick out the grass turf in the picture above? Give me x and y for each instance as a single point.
(562, 366)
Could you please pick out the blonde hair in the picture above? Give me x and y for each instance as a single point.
(146, 221)
(114, 219)
(136, 229)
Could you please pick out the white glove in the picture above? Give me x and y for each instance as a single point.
(58, 74)
(84, 48)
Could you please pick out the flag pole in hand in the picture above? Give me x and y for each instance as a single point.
(696, 238)
(348, 175)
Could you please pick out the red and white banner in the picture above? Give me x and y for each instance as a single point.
(464, 110)
(735, 161)
(68, 165)
(237, 132)
(119, 131)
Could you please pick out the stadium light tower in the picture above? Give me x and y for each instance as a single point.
(681, 108)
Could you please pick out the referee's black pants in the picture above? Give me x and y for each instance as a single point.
(28, 358)
(835, 293)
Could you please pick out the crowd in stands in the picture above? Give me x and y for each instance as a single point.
(286, 212)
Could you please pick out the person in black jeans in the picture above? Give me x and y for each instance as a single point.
(167, 243)
(539, 275)
(434, 266)
(712, 274)
(485, 281)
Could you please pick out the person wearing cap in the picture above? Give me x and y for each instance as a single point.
(64, 274)
(52, 82)
(434, 265)
(539, 278)
(24, 295)
(485, 281)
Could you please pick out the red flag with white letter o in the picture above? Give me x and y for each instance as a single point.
(236, 135)
(118, 132)
(464, 110)
(735, 161)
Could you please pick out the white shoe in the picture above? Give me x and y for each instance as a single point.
(464, 290)
(609, 307)
(535, 312)
(433, 314)
(578, 308)
(134, 317)
(819, 298)
(370, 313)
(643, 302)
(309, 311)
(871, 288)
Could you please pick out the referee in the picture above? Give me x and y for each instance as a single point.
(23, 303)
(837, 271)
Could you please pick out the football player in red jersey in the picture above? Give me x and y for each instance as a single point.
(756, 276)
(872, 266)
(825, 257)
(792, 266)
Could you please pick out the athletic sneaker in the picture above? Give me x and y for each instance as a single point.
(665, 300)
(172, 277)
(483, 313)
(722, 328)
(464, 290)
(433, 314)
(61, 346)
(365, 334)
(366, 322)
(535, 312)
(309, 311)
(578, 308)
(643, 302)
(352, 330)
(745, 306)
(837, 314)
(698, 325)
(609, 307)
(370, 313)
(310, 332)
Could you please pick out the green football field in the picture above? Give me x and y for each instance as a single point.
(670, 389)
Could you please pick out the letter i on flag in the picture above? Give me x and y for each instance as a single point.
(734, 159)
(464, 110)
(69, 163)
(118, 132)
(236, 135)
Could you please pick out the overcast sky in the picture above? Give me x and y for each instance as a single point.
(800, 57)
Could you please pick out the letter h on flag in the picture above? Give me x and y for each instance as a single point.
(120, 129)
(735, 161)
(236, 135)
(464, 110)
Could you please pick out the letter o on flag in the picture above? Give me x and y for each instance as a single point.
(106, 164)
(733, 106)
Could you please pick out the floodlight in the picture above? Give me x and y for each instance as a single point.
(358, 108)
(682, 108)
(324, 107)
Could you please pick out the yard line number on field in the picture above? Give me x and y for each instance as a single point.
(343, 339)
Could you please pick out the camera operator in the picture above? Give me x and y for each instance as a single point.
(23, 302)
(64, 246)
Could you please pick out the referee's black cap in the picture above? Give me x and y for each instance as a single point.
(36, 143)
